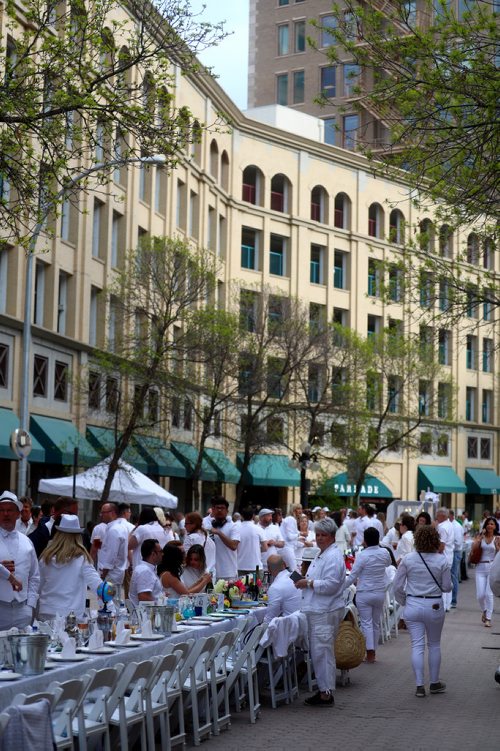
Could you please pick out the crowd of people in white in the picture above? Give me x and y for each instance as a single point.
(47, 566)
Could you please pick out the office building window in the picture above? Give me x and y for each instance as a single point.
(330, 130)
(470, 403)
(97, 222)
(300, 36)
(61, 382)
(395, 284)
(373, 326)
(283, 40)
(340, 270)
(351, 78)
(327, 86)
(486, 406)
(444, 401)
(350, 131)
(317, 264)
(112, 394)
(396, 227)
(485, 448)
(426, 443)
(249, 249)
(424, 400)
(487, 355)
(471, 352)
(472, 447)
(443, 448)
(62, 303)
(373, 278)
(277, 256)
(39, 302)
(282, 89)
(327, 23)
(298, 87)
(444, 347)
(4, 366)
(40, 375)
(94, 390)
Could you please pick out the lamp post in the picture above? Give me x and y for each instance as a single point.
(24, 416)
(305, 460)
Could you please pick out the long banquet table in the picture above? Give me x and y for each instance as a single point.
(35, 683)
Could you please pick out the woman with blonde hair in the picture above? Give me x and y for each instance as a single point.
(66, 571)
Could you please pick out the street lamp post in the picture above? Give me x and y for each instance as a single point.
(303, 461)
(158, 159)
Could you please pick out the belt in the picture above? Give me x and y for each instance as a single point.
(427, 597)
(14, 603)
(485, 561)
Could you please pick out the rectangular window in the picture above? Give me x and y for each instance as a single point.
(471, 353)
(395, 284)
(94, 390)
(373, 278)
(487, 406)
(277, 310)
(339, 270)
(424, 407)
(373, 391)
(472, 447)
(4, 273)
(65, 219)
(160, 190)
(340, 388)
(327, 23)
(317, 264)
(283, 40)
(351, 78)
(393, 440)
(443, 445)
(275, 429)
(426, 342)
(277, 256)
(426, 290)
(444, 401)
(444, 347)
(327, 86)
(485, 448)
(282, 89)
(444, 295)
(61, 382)
(249, 249)
(40, 375)
(62, 303)
(300, 36)
(115, 238)
(426, 443)
(153, 406)
(298, 87)
(350, 131)
(39, 302)
(373, 326)
(246, 380)
(275, 378)
(394, 394)
(330, 131)
(97, 228)
(317, 319)
(313, 383)
(470, 403)
(4, 366)
(94, 292)
(181, 209)
(111, 395)
(249, 302)
(487, 310)
(176, 412)
(487, 355)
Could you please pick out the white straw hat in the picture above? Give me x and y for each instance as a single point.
(70, 524)
(8, 497)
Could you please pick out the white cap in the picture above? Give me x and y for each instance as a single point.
(8, 497)
(316, 508)
(265, 511)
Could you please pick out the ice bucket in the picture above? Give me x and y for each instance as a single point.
(28, 652)
(161, 618)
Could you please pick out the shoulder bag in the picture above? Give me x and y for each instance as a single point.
(350, 645)
(475, 552)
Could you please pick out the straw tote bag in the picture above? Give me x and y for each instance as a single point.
(350, 646)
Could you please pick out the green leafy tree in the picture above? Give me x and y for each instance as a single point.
(84, 83)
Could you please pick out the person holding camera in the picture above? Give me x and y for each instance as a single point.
(489, 542)
(226, 535)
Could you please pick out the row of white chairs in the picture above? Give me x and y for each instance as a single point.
(142, 698)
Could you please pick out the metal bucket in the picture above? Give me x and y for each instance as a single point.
(161, 618)
(28, 652)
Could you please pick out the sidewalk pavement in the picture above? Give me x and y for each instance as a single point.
(379, 711)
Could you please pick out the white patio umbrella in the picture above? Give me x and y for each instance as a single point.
(128, 486)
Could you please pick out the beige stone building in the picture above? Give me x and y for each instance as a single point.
(278, 207)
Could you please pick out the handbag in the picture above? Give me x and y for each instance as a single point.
(475, 553)
(350, 645)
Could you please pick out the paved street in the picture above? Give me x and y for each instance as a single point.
(379, 710)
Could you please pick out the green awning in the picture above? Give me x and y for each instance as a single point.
(439, 479)
(8, 423)
(103, 441)
(372, 487)
(167, 464)
(271, 470)
(59, 438)
(482, 481)
(188, 455)
(225, 468)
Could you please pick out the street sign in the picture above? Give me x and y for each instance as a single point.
(20, 442)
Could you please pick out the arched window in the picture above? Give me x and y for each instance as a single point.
(224, 171)
(319, 204)
(396, 227)
(473, 249)
(106, 50)
(376, 221)
(426, 238)
(280, 193)
(214, 159)
(253, 185)
(342, 218)
(445, 241)
(196, 134)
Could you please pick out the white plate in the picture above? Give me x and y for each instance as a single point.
(73, 658)
(96, 650)
(5, 676)
(204, 619)
(182, 627)
(119, 646)
(153, 637)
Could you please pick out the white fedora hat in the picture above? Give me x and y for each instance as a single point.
(70, 524)
(8, 497)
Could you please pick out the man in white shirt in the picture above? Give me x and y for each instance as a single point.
(447, 537)
(18, 556)
(458, 549)
(25, 523)
(145, 585)
(283, 596)
(270, 534)
(227, 539)
(323, 604)
(251, 545)
(113, 558)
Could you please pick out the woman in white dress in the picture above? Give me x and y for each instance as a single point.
(305, 539)
(170, 571)
(489, 542)
(196, 566)
(197, 535)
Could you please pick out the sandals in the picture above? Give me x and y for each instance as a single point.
(483, 617)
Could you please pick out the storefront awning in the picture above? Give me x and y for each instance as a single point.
(167, 464)
(439, 479)
(482, 481)
(271, 470)
(188, 455)
(59, 438)
(224, 467)
(103, 441)
(8, 423)
(372, 487)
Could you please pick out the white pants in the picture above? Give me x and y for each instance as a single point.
(483, 592)
(323, 628)
(370, 606)
(18, 616)
(447, 596)
(423, 619)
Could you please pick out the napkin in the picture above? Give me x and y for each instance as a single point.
(123, 637)
(96, 639)
(69, 648)
(146, 629)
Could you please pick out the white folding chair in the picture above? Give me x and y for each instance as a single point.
(278, 657)
(92, 719)
(66, 709)
(156, 699)
(174, 690)
(4, 721)
(51, 695)
(218, 678)
(242, 677)
(125, 705)
(196, 688)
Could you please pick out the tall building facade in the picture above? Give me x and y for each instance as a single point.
(277, 209)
